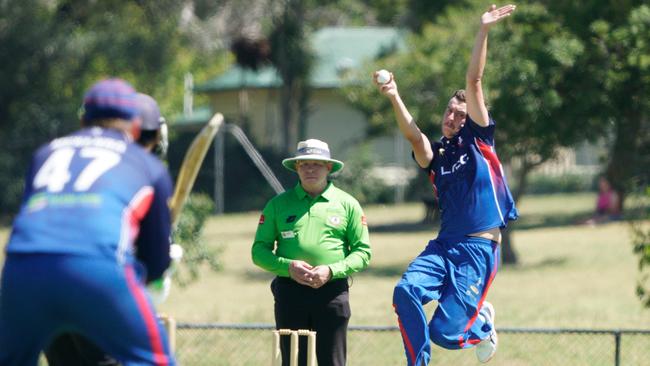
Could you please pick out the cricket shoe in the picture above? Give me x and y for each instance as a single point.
(486, 349)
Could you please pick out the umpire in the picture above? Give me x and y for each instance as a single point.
(313, 237)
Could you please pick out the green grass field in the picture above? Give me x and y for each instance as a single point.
(568, 276)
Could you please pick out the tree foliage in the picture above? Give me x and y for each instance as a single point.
(641, 247)
(51, 51)
(621, 52)
(293, 58)
(558, 73)
(189, 234)
(528, 58)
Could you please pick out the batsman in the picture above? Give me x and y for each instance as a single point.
(93, 228)
(72, 348)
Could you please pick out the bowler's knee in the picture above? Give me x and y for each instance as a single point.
(403, 291)
(443, 334)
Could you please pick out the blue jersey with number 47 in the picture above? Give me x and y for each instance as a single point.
(94, 193)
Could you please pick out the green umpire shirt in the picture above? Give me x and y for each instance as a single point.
(327, 230)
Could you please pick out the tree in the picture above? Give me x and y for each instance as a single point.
(292, 57)
(641, 243)
(611, 82)
(619, 50)
(52, 51)
(421, 13)
(31, 108)
(189, 233)
(290, 52)
(529, 57)
(601, 90)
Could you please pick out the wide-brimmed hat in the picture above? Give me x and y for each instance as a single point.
(312, 149)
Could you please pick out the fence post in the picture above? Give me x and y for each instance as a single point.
(617, 349)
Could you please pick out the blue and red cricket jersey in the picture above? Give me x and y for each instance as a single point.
(72, 207)
(456, 269)
(468, 178)
(93, 227)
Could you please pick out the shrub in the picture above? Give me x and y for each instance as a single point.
(357, 179)
(188, 234)
(641, 242)
(566, 183)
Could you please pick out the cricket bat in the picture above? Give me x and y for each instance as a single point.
(191, 165)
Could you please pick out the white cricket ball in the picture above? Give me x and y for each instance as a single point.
(383, 76)
(175, 252)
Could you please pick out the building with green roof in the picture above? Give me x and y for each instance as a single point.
(340, 53)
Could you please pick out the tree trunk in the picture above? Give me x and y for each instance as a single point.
(295, 79)
(289, 116)
(508, 253)
(626, 157)
(623, 158)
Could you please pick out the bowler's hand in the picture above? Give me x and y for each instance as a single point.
(322, 274)
(389, 89)
(301, 272)
(494, 15)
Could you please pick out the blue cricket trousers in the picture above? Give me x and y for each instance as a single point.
(42, 295)
(456, 272)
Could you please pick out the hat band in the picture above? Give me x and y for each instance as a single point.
(313, 151)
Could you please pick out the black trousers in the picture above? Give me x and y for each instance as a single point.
(325, 310)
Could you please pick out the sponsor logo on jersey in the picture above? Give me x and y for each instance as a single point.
(288, 234)
(261, 219)
(43, 199)
(363, 220)
(474, 289)
(457, 165)
(291, 219)
(84, 141)
(335, 220)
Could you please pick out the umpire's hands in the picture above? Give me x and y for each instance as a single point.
(305, 274)
(321, 274)
(301, 272)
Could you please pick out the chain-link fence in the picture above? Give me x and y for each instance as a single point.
(228, 344)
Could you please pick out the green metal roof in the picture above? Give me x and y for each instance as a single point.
(200, 115)
(336, 49)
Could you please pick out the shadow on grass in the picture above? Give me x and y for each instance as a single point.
(403, 227)
(527, 221)
(392, 270)
(553, 262)
(395, 270)
(536, 221)
(258, 276)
